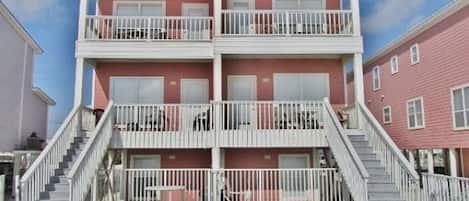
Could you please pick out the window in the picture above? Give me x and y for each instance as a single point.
(297, 87)
(154, 8)
(414, 54)
(460, 105)
(137, 90)
(387, 115)
(299, 4)
(394, 64)
(376, 79)
(415, 113)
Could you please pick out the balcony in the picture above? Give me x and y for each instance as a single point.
(233, 184)
(287, 23)
(156, 28)
(225, 124)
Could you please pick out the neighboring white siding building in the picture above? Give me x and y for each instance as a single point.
(23, 108)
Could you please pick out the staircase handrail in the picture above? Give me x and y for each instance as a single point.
(358, 185)
(389, 142)
(38, 175)
(87, 163)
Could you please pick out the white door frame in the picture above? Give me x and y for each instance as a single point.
(145, 156)
(206, 83)
(283, 156)
(185, 6)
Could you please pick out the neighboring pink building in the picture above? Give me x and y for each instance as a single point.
(421, 80)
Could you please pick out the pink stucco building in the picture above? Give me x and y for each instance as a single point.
(417, 87)
(239, 100)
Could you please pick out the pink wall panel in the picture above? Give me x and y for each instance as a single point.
(444, 64)
(265, 69)
(173, 7)
(183, 158)
(172, 73)
(255, 158)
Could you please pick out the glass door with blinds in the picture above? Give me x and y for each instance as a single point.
(141, 100)
(289, 90)
(293, 17)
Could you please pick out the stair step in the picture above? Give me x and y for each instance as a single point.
(372, 163)
(367, 156)
(380, 179)
(354, 132)
(363, 150)
(57, 187)
(384, 196)
(59, 179)
(55, 195)
(376, 171)
(357, 138)
(360, 144)
(389, 187)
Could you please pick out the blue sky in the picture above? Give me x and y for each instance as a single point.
(53, 23)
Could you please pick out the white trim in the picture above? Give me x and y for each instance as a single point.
(324, 4)
(461, 161)
(394, 61)
(10, 18)
(23, 79)
(390, 114)
(344, 69)
(417, 48)
(136, 77)
(231, 77)
(283, 156)
(139, 4)
(149, 156)
(184, 7)
(326, 75)
(93, 87)
(453, 107)
(423, 114)
(378, 76)
(436, 18)
(43, 96)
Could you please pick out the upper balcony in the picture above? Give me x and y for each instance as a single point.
(155, 29)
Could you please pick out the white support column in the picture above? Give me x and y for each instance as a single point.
(82, 19)
(123, 180)
(216, 158)
(217, 6)
(94, 188)
(79, 73)
(411, 158)
(217, 77)
(430, 167)
(453, 164)
(355, 6)
(358, 78)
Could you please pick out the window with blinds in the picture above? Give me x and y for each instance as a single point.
(129, 90)
(139, 9)
(299, 4)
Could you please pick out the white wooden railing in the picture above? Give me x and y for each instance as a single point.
(234, 184)
(135, 28)
(168, 184)
(396, 165)
(270, 123)
(36, 178)
(444, 188)
(178, 125)
(287, 22)
(354, 172)
(279, 184)
(86, 165)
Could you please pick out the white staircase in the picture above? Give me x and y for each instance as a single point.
(373, 167)
(65, 169)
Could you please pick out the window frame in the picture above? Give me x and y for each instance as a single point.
(453, 112)
(378, 76)
(394, 69)
(416, 127)
(139, 4)
(111, 91)
(417, 48)
(390, 114)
